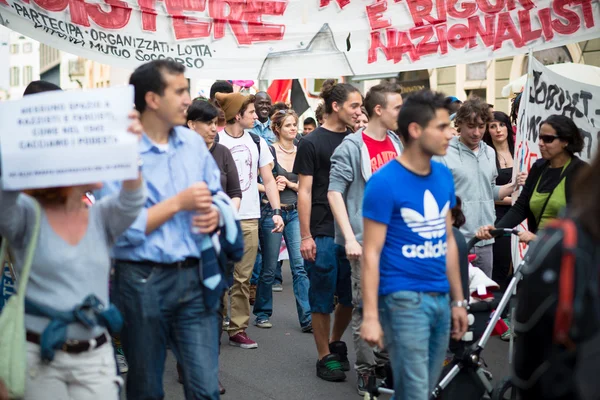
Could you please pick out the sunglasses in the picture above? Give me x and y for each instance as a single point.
(548, 138)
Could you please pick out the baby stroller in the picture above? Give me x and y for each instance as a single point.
(463, 377)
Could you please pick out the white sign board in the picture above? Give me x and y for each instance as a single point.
(548, 93)
(57, 139)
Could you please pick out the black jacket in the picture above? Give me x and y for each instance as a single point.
(520, 210)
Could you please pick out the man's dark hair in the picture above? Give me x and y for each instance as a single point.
(333, 92)
(309, 121)
(278, 107)
(220, 87)
(149, 77)
(377, 96)
(201, 110)
(566, 130)
(419, 107)
(320, 112)
(457, 213)
(471, 110)
(39, 87)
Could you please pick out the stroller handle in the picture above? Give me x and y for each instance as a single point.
(495, 233)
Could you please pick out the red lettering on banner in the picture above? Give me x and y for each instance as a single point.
(488, 8)
(526, 4)
(546, 22)
(148, 15)
(375, 14)
(507, 31)
(468, 9)
(458, 36)
(420, 10)
(573, 24)
(248, 12)
(424, 47)
(487, 34)
(341, 3)
(188, 27)
(80, 12)
(398, 44)
(525, 23)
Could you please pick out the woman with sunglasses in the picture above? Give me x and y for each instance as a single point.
(285, 127)
(548, 187)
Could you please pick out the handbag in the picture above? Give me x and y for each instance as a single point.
(13, 362)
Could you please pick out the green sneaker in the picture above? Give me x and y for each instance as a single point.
(330, 369)
(507, 335)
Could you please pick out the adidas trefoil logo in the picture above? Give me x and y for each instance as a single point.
(432, 225)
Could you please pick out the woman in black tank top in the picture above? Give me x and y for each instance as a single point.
(499, 135)
(285, 126)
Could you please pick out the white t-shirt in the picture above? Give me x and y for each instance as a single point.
(245, 154)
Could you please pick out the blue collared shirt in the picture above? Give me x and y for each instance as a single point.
(166, 173)
(264, 131)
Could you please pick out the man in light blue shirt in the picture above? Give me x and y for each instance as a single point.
(157, 282)
(262, 126)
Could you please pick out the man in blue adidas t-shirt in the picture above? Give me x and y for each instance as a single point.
(410, 256)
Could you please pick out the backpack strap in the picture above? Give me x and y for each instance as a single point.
(566, 282)
(256, 140)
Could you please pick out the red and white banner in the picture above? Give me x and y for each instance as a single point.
(282, 39)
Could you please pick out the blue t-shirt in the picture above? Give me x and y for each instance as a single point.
(414, 208)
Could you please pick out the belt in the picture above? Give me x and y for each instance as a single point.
(189, 262)
(73, 346)
(285, 207)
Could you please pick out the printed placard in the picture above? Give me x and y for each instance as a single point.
(58, 139)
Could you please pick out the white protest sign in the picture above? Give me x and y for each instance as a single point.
(67, 138)
(547, 93)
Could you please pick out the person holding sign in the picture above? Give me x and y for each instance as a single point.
(68, 315)
(548, 187)
(157, 260)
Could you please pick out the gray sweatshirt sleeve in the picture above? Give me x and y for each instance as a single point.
(341, 174)
(14, 210)
(119, 211)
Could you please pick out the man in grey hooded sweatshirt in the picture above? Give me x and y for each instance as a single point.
(352, 164)
(473, 166)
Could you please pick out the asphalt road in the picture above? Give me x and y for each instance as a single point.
(283, 366)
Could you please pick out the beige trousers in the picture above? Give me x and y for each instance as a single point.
(240, 290)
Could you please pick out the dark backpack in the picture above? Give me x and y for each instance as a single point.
(557, 318)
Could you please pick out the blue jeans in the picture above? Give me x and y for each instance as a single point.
(258, 267)
(271, 243)
(160, 306)
(416, 329)
(330, 275)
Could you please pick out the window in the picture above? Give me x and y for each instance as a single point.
(14, 49)
(27, 75)
(557, 55)
(27, 48)
(481, 93)
(14, 76)
(477, 71)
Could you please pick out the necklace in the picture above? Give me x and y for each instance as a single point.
(503, 162)
(286, 151)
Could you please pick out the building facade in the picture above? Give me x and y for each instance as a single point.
(23, 64)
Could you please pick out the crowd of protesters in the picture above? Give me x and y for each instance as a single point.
(361, 196)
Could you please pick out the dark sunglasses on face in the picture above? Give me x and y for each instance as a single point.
(548, 138)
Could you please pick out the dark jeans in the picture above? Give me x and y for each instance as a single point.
(258, 267)
(160, 306)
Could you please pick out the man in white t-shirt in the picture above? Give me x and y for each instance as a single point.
(252, 158)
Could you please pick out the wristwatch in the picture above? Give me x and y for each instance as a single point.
(459, 303)
(277, 211)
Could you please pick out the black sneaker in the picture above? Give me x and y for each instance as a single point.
(330, 369)
(341, 350)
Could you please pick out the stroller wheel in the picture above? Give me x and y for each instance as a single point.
(368, 396)
(504, 390)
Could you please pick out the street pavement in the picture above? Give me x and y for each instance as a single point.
(283, 366)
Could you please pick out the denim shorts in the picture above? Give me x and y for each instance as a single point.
(329, 275)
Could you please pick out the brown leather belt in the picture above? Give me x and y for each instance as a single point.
(285, 207)
(73, 346)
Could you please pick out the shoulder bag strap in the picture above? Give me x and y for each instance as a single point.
(562, 176)
(30, 251)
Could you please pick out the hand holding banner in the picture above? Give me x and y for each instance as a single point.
(67, 138)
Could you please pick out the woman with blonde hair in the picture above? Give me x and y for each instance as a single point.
(285, 126)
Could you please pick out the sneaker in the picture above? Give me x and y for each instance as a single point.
(507, 335)
(252, 294)
(122, 363)
(330, 369)
(307, 328)
(242, 340)
(263, 323)
(362, 382)
(339, 348)
(277, 287)
(225, 322)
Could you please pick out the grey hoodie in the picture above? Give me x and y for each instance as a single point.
(475, 182)
(350, 171)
